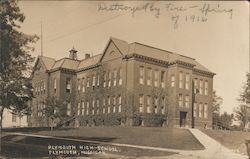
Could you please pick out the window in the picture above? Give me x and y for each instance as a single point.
(108, 109)
(141, 103)
(83, 85)
(115, 77)
(109, 101)
(97, 105)
(186, 101)
(98, 80)
(200, 110)
(148, 104)
(87, 104)
(78, 85)
(141, 75)
(201, 87)
(109, 80)
(14, 117)
(156, 78)
(180, 80)
(68, 108)
(43, 110)
(195, 109)
(162, 79)
(68, 85)
(83, 107)
(163, 105)
(93, 106)
(88, 81)
(79, 109)
(172, 80)
(149, 77)
(114, 104)
(156, 105)
(205, 110)
(104, 79)
(54, 85)
(44, 87)
(206, 88)
(196, 86)
(119, 103)
(180, 100)
(120, 77)
(187, 81)
(93, 81)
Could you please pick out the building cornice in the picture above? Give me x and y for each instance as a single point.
(146, 59)
(206, 73)
(89, 67)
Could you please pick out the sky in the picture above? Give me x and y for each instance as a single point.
(216, 34)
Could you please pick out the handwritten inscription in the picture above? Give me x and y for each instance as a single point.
(177, 12)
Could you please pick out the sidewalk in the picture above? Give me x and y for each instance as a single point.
(214, 149)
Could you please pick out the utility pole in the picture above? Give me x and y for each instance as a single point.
(41, 38)
(193, 100)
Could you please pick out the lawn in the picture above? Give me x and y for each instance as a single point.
(144, 136)
(234, 140)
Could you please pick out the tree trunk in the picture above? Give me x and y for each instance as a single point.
(52, 125)
(1, 116)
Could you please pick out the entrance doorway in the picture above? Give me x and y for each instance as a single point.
(183, 118)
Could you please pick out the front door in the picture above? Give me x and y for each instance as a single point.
(183, 118)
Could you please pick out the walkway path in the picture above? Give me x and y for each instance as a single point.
(213, 149)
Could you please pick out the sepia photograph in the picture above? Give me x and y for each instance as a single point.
(124, 79)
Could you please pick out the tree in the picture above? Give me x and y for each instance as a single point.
(54, 109)
(15, 60)
(242, 112)
(217, 102)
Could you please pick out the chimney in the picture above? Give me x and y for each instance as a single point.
(87, 56)
(73, 54)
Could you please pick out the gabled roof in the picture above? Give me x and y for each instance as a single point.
(89, 61)
(66, 63)
(47, 61)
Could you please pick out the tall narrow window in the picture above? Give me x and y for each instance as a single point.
(68, 108)
(141, 75)
(163, 105)
(98, 80)
(156, 78)
(87, 109)
(79, 109)
(98, 106)
(103, 105)
(83, 107)
(104, 79)
(119, 103)
(120, 76)
(162, 79)
(115, 77)
(187, 81)
(180, 100)
(68, 85)
(195, 109)
(78, 85)
(196, 86)
(83, 85)
(156, 105)
(93, 106)
(109, 80)
(149, 77)
(141, 103)
(148, 104)
(114, 104)
(186, 101)
(180, 80)
(205, 110)
(172, 80)
(201, 86)
(200, 110)
(14, 117)
(93, 81)
(109, 102)
(88, 82)
(54, 85)
(44, 87)
(206, 88)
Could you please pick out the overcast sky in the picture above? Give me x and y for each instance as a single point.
(214, 33)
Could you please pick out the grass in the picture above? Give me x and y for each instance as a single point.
(145, 136)
(234, 140)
